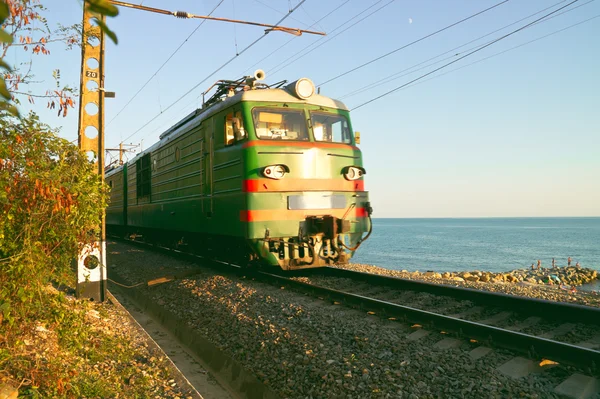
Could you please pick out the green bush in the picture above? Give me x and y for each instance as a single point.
(50, 203)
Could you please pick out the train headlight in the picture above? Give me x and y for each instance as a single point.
(275, 171)
(353, 172)
(302, 88)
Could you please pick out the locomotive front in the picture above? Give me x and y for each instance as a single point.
(306, 205)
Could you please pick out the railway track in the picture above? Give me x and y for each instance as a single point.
(536, 329)
(561, 332)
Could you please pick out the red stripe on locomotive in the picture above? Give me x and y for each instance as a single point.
(270, 185)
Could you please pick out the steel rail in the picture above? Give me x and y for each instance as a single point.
(532, 346)
(531, 306)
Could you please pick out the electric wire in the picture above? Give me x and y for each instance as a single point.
(316, 22)
(414, 42)
(502, 52)
(406, 72)
(127, 286)
(163, 65)
(288, 42)
(215, 71)
(283, 13)
(463, 57)
(234, 28)
(274, 70)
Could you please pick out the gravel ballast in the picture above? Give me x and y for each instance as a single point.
(303, 347)
(518, 287)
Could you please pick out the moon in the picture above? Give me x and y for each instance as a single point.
(410, 20)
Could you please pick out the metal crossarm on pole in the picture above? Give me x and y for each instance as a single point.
(183, 14)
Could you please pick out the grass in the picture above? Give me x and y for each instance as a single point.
(79, 349)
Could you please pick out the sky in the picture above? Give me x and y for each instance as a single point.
(512, 130)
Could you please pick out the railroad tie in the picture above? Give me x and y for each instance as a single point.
(479, 352)
(518, 367)
(447, 343)
(496, 318)
(579, 386)
(468, 312)
(420, 333)
(558, 331)
(528, 322)
(591, 343)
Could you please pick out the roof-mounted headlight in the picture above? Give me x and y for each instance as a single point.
(302, 88)
(275, 171)
(353, 172)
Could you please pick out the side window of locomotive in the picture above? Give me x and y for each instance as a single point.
(330, 127)
(234, 128)
(271, 124)
(143, 176)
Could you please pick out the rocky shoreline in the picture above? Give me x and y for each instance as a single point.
(566, 276)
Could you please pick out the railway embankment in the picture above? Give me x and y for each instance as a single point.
(301, 346)
(556, 284)
(77, 348)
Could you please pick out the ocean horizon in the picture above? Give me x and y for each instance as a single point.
(496, 244)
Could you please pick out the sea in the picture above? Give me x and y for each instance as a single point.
(485, 244)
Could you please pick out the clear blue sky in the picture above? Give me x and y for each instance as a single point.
(514, 135)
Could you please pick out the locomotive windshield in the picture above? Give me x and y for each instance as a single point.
(277, 124)
(330, 127)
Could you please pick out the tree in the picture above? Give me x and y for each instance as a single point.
(17, 29)
(51, 200)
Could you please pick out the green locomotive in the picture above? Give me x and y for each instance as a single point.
(260, 173)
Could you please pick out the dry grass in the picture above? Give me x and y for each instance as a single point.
(81, 349)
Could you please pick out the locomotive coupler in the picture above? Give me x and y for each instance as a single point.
(329, 226)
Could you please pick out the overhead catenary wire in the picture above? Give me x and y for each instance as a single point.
(215, 71)
(320, 43)
(316, 22)
(288, 42)
(502, 52)
(414, 42)
(464, 56)
(411, 69)
(234, 28)
(163, 65)
(282, 12)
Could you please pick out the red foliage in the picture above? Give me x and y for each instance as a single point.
(32, 38)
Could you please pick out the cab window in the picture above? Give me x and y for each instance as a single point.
(234, 128)
(278, 124)
(330, 127)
